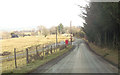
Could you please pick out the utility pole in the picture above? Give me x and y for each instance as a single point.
(70, 27)
(71, 31)
(56, 36)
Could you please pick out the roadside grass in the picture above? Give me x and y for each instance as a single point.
(109, 54)
(9, 65)
(35, 64)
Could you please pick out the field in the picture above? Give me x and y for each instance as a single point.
(28, 41)
(25, 68)
(22, 43)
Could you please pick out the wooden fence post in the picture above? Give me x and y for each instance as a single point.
(54, 48)
(51, 49)
(15, 57)
(43, 51)
(27, 61)
(37, 51)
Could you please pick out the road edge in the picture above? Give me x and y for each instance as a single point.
(57, 59)
(116, 65)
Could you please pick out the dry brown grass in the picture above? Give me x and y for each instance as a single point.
(112, 54)
(24, 42)
(25, 68)
(21, 44)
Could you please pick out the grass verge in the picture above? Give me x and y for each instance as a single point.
(108, 54)
(35, 64)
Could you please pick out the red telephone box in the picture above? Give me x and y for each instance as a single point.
(66, 42)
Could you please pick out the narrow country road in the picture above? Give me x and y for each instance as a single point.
(80, 60)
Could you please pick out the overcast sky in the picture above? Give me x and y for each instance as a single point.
(28, 14)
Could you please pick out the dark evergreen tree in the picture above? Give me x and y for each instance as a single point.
(103, 24)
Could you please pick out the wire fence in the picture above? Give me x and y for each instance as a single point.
(28, 55)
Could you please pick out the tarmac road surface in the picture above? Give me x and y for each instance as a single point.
(80, 60)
